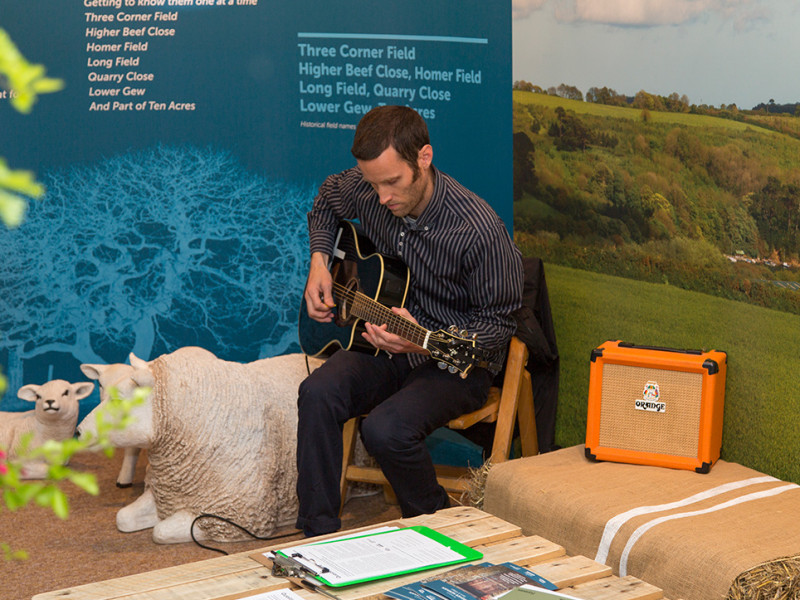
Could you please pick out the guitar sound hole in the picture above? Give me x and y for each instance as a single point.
(343, 316)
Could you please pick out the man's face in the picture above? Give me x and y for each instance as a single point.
(393, 180)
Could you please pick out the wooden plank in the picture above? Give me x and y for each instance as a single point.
(122, 587)
(487, 413)
(480, 532)
(146, 586)
(613, 588)
(453, 479)
(448, 517)
(365, 474)
(210, 589)
(522, 551)
(570, 570)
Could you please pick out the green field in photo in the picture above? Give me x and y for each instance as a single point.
(762, 416)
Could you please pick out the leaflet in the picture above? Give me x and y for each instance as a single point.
(364, 558)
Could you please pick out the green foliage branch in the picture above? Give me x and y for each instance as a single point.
(18, 493)
(23, 82)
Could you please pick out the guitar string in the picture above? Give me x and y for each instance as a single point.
(374, 312)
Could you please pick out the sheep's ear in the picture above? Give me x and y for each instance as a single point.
(93, 371)
(136, 362)
(82, 389)
(143, 377)
(29, 392)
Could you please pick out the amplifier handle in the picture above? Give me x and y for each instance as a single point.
(661, 348)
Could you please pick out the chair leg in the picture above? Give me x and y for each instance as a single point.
(349, 436)
(526, 415)
(389, 496)
(507, 410)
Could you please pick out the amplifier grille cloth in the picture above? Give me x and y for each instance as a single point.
(675, 432)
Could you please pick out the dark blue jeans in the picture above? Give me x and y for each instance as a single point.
(403, 406)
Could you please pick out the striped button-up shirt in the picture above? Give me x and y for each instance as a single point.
(465, 269)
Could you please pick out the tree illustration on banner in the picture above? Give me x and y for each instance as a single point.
(152, 250)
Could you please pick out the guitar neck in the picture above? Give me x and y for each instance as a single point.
(359, 305)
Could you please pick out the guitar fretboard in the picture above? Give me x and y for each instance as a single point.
(364, 307)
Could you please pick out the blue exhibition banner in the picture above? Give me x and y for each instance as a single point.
(187, 146)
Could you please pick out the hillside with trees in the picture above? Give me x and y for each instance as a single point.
(655, 188)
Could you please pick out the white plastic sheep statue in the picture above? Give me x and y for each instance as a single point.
(53, 417)
(220, 439)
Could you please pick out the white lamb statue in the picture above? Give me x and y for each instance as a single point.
(220, 438)
(53, 418)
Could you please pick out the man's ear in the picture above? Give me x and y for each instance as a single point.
(425, 156)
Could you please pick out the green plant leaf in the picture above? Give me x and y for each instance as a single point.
(11, 499)
(59, 503)
(12, 209)
(44, 496)
(23, 182)
(10, 554)
(25, 79)
(58, 472)
(86, 481)
(16, 495)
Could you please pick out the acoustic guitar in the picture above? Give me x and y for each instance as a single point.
(365, 285)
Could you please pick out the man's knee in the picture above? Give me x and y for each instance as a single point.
(322, 396)
(383, 436)
(310, 387)
(315, 401)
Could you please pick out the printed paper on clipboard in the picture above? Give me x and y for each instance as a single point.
(386, 554)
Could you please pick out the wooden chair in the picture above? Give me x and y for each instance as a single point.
(513, 403)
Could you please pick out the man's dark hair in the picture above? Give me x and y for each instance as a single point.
(398, 126)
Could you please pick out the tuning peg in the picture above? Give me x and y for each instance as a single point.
(452, 369)
(464, 333)
(441, 365)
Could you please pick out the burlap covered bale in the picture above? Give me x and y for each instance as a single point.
(692, 535)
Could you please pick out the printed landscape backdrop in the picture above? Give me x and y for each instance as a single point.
(655, 169)
(186, 148)
(657, 172)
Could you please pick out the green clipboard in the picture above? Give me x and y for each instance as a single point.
(464, 554)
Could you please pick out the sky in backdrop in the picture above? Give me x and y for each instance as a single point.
(715, 52)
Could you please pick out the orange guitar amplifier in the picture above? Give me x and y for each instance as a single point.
(655, 406)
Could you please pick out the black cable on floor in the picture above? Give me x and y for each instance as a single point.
(229, 522)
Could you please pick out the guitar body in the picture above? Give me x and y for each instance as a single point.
(358, 267)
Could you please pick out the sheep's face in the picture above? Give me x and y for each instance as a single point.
(125, 379)
(116, 376)
(56, 400)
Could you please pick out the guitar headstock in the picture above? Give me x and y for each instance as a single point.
(455, 350)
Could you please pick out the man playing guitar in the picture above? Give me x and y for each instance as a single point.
(464, 270)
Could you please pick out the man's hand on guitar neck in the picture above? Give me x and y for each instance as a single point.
(319, 289)
(378, 336)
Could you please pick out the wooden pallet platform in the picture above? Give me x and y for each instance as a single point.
(239, 576)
